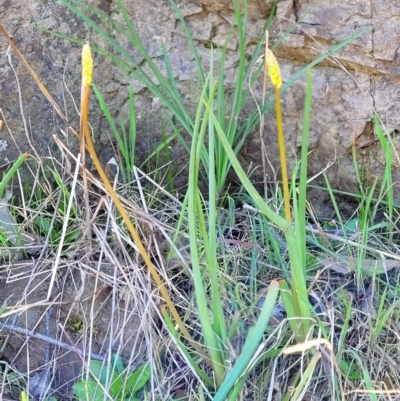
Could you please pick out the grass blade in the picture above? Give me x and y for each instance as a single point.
(252, 341)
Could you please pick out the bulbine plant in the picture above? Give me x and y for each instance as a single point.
(227, 381)
(229, 108)
(215, 332)
(203, 241)
(225, 137)
(86, 140)
(165, 87)
(296, 303)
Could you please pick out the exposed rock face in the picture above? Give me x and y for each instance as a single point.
(56, 62)
(349, 88)
(363, 80)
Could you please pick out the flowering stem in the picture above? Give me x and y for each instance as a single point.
(118, 204)
(282, 154)
(87, 67)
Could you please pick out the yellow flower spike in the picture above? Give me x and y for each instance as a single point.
(273, 68)
(87, 65)
(271, 65)
(87, 71)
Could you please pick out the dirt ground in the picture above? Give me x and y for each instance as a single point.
(83, 312)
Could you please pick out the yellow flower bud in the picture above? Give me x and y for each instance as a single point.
(273, 68)
(87, 65)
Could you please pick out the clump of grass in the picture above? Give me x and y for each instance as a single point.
(202, 227)
(165, 87)
(226, 301)
(86, 137)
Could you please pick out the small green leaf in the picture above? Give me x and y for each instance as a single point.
(88, 391)
(349, 369)
(116, 386)
(3, 307)
(43, 224)
(72, 235)
(117, 363)
(352, 224)
(99, 370)
(138, 379)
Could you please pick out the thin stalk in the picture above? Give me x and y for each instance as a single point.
(276, 79)
(282, 155)
(195, 212)
(252, 342)
(219, 319)
(212, 264)
(30, 333)
(262, 116)
(10, 173)
(293, 384)
(300, 217)
(253, 118)
(212, 195)
(135, 236)
(306, 378)
(296, 304)
(87, 68)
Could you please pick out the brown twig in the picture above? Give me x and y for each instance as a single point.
(30, 333)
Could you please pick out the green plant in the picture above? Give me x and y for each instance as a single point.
(228, 108)
(10, 173)
(3, 238)
(202, 235)
(386, 192)
(24, 397)
(9, 229)
(112, 380)
(87, 141)
(165, 88)
(49, 223)
(126, 140)
(203, 213)
(212, 163)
